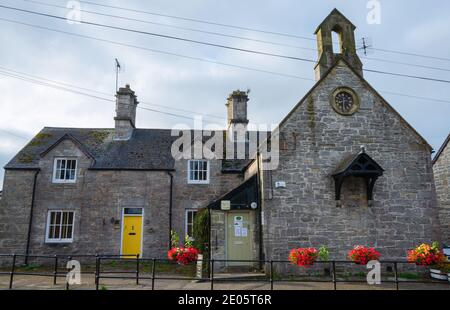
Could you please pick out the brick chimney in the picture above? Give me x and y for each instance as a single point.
(125, 120)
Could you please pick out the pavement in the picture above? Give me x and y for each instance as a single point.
(227, 282)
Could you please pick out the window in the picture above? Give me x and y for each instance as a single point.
(198, 171)
(60, 226)
(64, 170)
(189, 222)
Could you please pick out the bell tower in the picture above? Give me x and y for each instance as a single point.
(345, 31)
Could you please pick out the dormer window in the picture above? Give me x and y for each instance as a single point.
(65, 170)
(198, 172)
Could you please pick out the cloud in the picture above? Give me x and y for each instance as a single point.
(200, 86)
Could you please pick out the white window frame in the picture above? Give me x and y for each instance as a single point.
(47, 229)
(186, 224)
(54, 179)
(189, 172)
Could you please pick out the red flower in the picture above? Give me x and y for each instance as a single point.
(362, 255)
(304, 257)
(426, 255)
(182, 255)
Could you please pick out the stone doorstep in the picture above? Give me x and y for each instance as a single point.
(223, 277)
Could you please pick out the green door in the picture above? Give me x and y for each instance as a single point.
(239, 237)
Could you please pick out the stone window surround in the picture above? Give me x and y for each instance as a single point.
(55, 161)
(47, 228)
(191, 181)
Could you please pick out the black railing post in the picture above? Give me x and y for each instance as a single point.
(333, 270)
(55, 270)
(211, 278)
(97, 272)
(13, 268)
(396, 275)
(153, 273)
(271, 275)
(137, 269)
(67, 278)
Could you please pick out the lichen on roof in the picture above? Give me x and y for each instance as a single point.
(99, 135)
(39, 139)
(25, 158)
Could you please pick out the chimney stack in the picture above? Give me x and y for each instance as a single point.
(237, 108)
(237, 114)
(125, 120)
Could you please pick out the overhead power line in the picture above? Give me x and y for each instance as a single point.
(410, 54)
(177, 27)
(9, 71)
(248, 28)
(202, 59)
(156, 51)
(217, 45)
(13, 134)
(161, 35)
(30, 80)
(226, 35)
(200, 21)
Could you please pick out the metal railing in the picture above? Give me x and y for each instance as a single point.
(136, 274)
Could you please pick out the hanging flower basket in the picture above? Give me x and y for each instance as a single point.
(183, 256)
(304, 257)
(426, 255)
(361, 255)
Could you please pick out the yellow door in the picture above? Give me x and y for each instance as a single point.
(131, 236)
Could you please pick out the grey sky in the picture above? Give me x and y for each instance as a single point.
(411, 26)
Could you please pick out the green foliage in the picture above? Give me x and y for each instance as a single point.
(188, 241)
(201, 231)
(324, 254)
(435, 246)
(409, 275)
(175, 238)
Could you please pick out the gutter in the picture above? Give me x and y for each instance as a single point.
(170, 208)
(30, 222)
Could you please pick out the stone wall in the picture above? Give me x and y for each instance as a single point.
(316, 140)
(98, 198)
(195, 196)
(441, 169)
(15, 210)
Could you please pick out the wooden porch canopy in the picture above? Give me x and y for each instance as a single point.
(360, 165)
(240, 197)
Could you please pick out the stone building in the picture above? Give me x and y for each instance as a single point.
(349, 170)
(441, 168)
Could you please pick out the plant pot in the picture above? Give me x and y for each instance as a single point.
(438, 275)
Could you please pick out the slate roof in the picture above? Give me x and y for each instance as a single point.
(147, 149)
